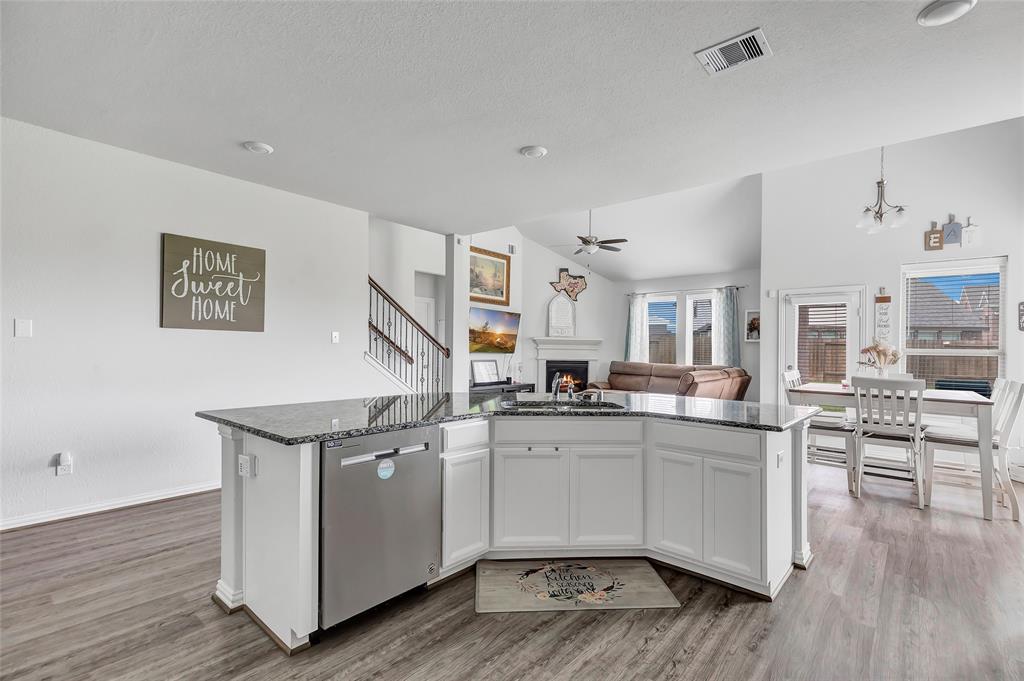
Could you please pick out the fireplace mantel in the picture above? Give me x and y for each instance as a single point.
(566, 348)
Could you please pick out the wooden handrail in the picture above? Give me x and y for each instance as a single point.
(392, 344)
(412, 320)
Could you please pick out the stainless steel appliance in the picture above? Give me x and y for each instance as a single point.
(380, 519)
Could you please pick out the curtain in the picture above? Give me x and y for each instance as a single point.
(637, 342)
(726, 330)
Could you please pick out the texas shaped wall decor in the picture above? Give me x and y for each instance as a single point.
(571, 284)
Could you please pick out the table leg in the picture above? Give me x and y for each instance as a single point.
(985, 452)
(802, 555)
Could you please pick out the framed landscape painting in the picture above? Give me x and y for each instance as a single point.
(489, 274)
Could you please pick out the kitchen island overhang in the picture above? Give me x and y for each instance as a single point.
(710, 486)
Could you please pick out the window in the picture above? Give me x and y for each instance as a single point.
(821, 350)
(700, 329)
(951, 334)
(661, 329)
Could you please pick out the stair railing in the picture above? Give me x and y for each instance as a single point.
(403, 346)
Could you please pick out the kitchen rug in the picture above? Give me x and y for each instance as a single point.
(572, 584)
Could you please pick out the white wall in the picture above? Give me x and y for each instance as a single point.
(81, 257)
(499, 240)
(808, 237)
(600, 310)
(749, 298)
(397, 252)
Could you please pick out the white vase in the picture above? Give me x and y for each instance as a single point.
(883, 372)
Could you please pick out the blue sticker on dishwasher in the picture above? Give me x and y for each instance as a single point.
(385, 469)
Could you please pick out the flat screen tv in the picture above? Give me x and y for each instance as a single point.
(492, 330)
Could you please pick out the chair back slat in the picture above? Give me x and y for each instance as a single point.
(890, 406)
(791, 379)
(1008, 411)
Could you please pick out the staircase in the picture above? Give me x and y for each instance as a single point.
(399, 346)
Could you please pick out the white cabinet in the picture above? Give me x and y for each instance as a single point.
(466, 503)
(531, 496)
(606, 496)
(732, 517)
(675, 507)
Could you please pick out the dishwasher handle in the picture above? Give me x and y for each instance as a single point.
(386, 454)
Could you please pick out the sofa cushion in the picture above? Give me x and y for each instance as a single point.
(665, 378)
(632, 382)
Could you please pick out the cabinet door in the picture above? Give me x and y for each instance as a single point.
(606, 496)
(466, 504)
(732, 517)
(531, 496)
(675, 485)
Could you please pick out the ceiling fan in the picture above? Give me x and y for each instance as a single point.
(590, 244)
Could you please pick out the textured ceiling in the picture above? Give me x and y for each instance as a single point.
(713, 228)
(414, 111)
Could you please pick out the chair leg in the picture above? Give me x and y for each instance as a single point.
(929, 472)
(859, 465)
(1007, 483)
(851, 468)
(918, 477)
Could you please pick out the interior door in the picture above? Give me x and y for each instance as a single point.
(425, 314)
(822, 335)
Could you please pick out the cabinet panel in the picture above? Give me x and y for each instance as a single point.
(675, 505)
(730, 443)
(531, 497)
(466, 506)
(592, 429)
(606, 497)
(467, 434)
(732, 517)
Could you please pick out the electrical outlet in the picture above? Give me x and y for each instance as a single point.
(65, 469)
(780, 457)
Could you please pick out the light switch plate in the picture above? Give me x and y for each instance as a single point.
(335, 336)
(22, 328)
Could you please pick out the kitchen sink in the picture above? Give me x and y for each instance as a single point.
(563, 405)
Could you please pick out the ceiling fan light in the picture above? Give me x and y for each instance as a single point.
(590, 249)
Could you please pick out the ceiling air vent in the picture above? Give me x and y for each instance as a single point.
(734, 52)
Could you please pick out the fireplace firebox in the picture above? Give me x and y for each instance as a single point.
(572, 372)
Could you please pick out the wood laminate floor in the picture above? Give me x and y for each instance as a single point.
(893, 593)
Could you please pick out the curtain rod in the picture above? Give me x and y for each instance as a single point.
(676, 290)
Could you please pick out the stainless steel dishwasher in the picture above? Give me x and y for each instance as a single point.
(380, 519)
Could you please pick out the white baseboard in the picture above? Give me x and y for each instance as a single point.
(403, 387)
(87, 509)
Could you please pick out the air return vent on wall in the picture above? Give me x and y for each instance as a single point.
(734, 52)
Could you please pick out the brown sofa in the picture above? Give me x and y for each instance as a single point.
(726, 383)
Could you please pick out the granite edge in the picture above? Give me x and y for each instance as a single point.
(405, 425)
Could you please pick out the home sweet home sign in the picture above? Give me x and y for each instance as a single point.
(212, 285)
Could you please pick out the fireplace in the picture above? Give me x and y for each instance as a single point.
(576, 372)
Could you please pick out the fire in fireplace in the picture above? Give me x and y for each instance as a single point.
(575, 373)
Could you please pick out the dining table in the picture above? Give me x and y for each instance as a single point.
(938, 402)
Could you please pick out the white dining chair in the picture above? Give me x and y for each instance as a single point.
(824, 426)
(1006, 416)
(889, 414)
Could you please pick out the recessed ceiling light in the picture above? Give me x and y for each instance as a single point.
(943, 12)
(533, 151)
(258, 147)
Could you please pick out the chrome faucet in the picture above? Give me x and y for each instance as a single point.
(556, 385)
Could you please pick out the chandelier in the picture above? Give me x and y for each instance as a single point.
(882, 215)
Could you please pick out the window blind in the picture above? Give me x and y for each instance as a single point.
(821, 343)
(661, 331)
(951, 328)
(701, 332)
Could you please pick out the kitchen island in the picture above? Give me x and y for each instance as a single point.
(714, 487)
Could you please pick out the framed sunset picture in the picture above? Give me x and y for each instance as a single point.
(489, 274)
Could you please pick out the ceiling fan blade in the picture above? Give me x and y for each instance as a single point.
(613, 241)
(609, 248)
(578, 251)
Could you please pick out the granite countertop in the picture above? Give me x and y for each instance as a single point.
(292, 424)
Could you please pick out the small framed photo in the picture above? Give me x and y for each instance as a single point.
(485, 372)
(752, 326)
